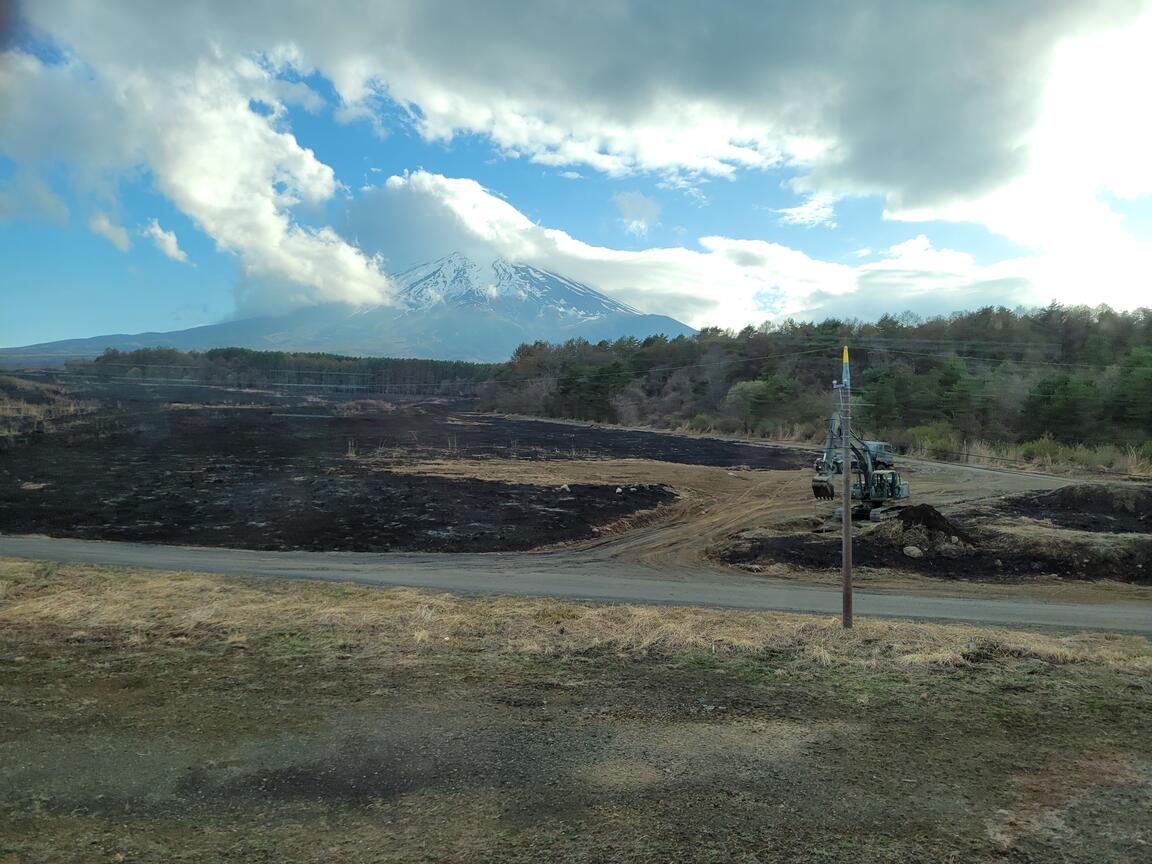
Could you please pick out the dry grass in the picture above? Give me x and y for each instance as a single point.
(1042, 455)
(15, 387)
(151, 605)
(556, 472)
(23, 402)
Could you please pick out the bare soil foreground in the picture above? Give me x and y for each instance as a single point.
(161, 717)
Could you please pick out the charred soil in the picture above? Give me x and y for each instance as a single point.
(974, 546)
(1088, 507)
(275, 479)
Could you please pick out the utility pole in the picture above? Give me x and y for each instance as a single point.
(846, 540)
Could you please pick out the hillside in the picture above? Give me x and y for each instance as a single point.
(448, 309)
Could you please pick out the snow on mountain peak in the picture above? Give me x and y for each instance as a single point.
(516, 290)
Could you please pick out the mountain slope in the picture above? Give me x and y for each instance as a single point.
(448, 309)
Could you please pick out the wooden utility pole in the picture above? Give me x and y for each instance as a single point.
(846, 541)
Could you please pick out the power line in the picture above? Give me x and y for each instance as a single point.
(1053, 363)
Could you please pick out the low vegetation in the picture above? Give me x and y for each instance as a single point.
(155, 717)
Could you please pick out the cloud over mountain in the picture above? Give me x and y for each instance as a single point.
(723, 281)
(942, 111)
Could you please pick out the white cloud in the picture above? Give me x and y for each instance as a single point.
(571, 175)
(637, 211)
(923, 103)
(819, 209)
(165, 241)
(928, 105)
(233, 171)
(101, 224)
(1091, 139)
(26, 196)
(727, 282)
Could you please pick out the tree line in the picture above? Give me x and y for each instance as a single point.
(243, 367)
(1069, 375)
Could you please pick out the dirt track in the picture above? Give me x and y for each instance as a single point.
(718, 502)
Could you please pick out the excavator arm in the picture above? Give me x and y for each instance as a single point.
(829, 464)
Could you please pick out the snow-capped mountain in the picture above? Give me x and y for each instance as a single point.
(448, 309)
(518, 289)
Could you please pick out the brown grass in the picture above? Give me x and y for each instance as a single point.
(1048, 457)
(152, 605)
(23, 402)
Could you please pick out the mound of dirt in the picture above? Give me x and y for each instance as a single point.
(1089, 507)
(920, 538)
(932, 520)
(917, 542)
(922, 531)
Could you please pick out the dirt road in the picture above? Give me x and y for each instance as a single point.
(573, 575)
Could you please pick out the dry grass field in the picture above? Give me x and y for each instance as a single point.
(162, 717)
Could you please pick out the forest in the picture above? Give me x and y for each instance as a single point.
(1053, 384)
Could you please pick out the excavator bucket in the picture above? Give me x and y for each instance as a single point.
(823, 487)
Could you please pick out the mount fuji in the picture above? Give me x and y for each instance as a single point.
(448, 309)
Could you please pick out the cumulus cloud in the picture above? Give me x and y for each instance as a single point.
(234, 171)
(726, 281)
(637, 211)
(1089, 140)
(102, 224)
(944, 112)
(165, 241)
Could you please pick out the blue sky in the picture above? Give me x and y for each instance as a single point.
(247, 160)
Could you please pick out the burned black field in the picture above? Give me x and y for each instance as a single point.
(289, 477)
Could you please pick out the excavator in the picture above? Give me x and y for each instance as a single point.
(873, 487)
